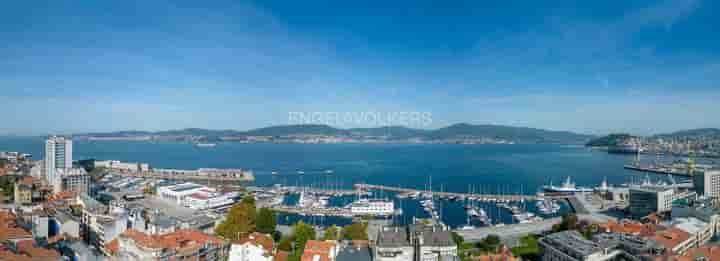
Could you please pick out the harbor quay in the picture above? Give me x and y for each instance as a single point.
(454, 195)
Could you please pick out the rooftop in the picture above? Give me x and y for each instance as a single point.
(572, 241)
(671, 237)
(393, 238)
(183, 239)
(258, 239)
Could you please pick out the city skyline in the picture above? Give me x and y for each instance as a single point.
(643, 67)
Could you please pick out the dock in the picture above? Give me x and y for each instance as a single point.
(659, 170)
(487, 197)
(319, 212)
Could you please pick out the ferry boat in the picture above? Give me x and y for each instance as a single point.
(567, 187)
(205, 145)
(374, 207)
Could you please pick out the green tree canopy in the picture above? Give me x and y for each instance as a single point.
(266, 221)
(239, 222)
(285, 244)
(301, 234)
(331, 233)
(355, 231)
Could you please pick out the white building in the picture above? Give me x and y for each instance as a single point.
(256, 247)
(122, 166)
(58, 155)
(707, 183)
(73, 179)
(206, 199)
(178, 193)
(373, 207)
(648, 199)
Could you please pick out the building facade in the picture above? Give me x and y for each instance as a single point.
(256, 247)
(74, 179)
(707, 183)
(58, 155)
(392, 244)
(646, 200)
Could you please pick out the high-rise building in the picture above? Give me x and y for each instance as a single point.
(58, 155)
(707, 183)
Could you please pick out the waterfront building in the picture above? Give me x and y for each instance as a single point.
(707, 183)
(320, 251)
(122, 166)
(392, 244)
(58, 155)
(650, 199)
(179, 245)
(255, 247)
(207, 199)
(178, 193)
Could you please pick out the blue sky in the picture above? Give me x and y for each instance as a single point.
(586, 66)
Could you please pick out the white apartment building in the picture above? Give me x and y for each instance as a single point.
(58, 155)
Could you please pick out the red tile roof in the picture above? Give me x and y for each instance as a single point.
(671, 237)
(258, 239)
(36, 253)
(181, 240)
(281, 256)
(321, 249)
(10, 256)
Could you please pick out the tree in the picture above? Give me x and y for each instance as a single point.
(285, 244)
(239, 222)
(301, 234)
(355, 231)
(569, 222)
(266, 221)
(331, 233)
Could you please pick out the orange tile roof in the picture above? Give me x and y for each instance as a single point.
(27, 180)
(629, 227)
(503, 255)
(12, 232)
(671, 237)
(317, 248)
(10, 256)
(281, 256)
(113, 246)
(180, 240)
(258, 239)
(36, 253)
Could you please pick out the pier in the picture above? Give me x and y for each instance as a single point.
(312, 190)
(185, 177)
(659, 170)
(486, 197)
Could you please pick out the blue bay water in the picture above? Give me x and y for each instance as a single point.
(504, 169)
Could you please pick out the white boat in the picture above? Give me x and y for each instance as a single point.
(567, 187)
(205, 145)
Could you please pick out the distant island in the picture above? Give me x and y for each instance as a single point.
(462, 133)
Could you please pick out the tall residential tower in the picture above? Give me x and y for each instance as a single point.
(58, 156)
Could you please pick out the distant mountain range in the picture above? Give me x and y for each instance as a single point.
(462, 131)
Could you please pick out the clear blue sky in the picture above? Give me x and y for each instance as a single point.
(585, 66)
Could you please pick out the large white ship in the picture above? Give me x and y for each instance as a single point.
(567, 187)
